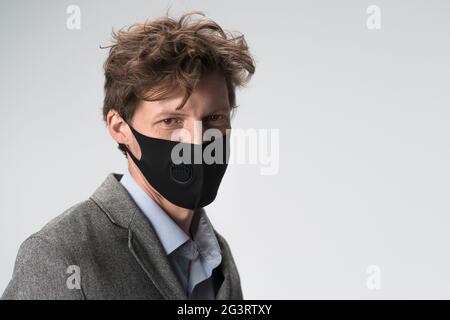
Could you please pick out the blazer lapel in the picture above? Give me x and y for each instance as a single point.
(148, 251)
(231, 287)
(143, 242)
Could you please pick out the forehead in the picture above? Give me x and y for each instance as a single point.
(210, 95)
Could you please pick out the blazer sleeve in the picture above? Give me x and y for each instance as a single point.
(41, 272)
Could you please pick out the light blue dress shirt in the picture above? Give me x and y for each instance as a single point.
(193, 259)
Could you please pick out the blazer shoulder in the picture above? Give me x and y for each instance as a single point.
(41, 266)
(40, 272)
(75, 224)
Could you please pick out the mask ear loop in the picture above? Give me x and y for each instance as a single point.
(118, 115)
(131, 129)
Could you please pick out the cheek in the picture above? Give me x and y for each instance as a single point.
(181, 132)
(162, 133)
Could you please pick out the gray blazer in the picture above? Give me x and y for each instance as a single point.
(113, 249)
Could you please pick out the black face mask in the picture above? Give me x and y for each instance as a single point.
(194, 182)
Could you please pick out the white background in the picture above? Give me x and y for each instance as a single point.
(364, 138)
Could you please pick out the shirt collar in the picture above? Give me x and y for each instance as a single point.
(168, 232)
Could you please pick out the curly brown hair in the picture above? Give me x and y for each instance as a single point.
(150, 59)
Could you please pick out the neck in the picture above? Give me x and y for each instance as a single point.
(181, 216)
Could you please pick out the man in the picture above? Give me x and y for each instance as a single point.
(144, 234)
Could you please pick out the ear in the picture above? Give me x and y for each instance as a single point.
(117, 127)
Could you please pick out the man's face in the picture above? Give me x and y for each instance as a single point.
(208, 107)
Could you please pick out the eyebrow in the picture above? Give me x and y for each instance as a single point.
(171, 114)
(168, 113)
(221, 108)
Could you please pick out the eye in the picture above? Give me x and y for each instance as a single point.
(169, 121)
(215, 117)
